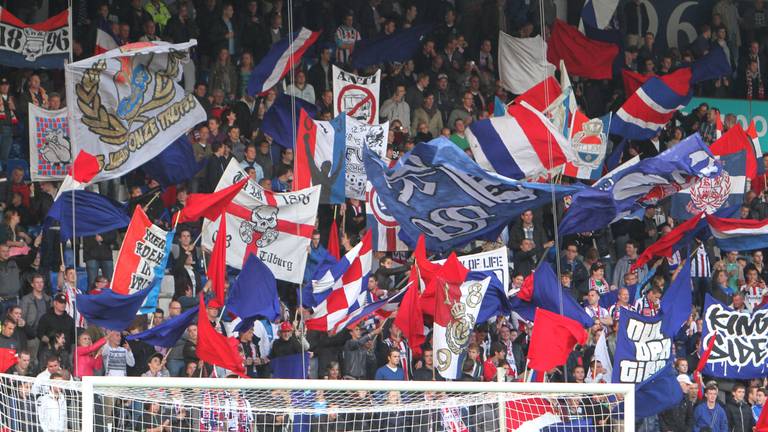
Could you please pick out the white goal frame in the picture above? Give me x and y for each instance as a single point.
(91, 383)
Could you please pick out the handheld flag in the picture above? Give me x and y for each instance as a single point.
(94, 214)
(174, 165)
(399, 46)
(676, 302)
(254, 293)
(383, 307)
(659, 392)
(739, 234)
(553, 339)
(111, 310)
(83, 170)
(169, 331)
(671, 242)
(8, 359)
(209, 206)
(589, 142)
(584, 57)
(333, 241)
(278, 119)
(215, 348)
(284, 55)
(540, 96)
(217, 267)
(522, 62)
(542, 290)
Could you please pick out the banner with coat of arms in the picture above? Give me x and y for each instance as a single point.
(126, 105)
(275, 226)
(50, 148)
(40, 45)
(356, 95)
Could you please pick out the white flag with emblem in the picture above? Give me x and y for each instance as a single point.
(275, 226)
(126, 105)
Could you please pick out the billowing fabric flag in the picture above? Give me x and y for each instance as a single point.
(284, 55)
(384, 227)
(342, 289)
(584, 57)
(739, 234)
(8, 359)
(358, 96)
(632, 80)
(543, 290)
(209, 205)
(294, 366)
(541, 96)
(678, 237)
(676, 302)
(127, 106)
(560, 111)
(174, 165)
(254, 293)
(217, 266)
(553, 339)
(457, 304)
(518, 146)
(626, 190)
(320, 156)
(499, 107)
(94, 214)
(50, 149)
(105, 39)
(739, 351)
(111, 310)
(437, 190)
(752, 134)
(652, 106)
(169, 331)
(277, 119)
(661, 391)
(142, 259)
(641, 348)
(400, 46)
(359, 136)
(727, 189)
(522, 62)
(602, 354)
(276, 226)
(43, 45)
(215, 348)
(80, 173)
(598, 13)
(589, 142)
(383, 307)
(534, 413)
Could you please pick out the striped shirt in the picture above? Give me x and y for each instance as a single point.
(345, 36)
(700, 266)
(646, 308)
(753, 294)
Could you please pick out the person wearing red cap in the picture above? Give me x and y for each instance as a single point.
(288, 343)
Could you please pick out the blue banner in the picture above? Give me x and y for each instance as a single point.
(641, 348)
(741, 341)
(438, 191)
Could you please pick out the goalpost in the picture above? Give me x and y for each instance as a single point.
(278, 405)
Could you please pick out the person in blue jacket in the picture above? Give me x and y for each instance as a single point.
(710, 416)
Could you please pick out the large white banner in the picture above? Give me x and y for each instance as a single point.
(126, 105)
(276, 226)
(50, 147)
(356, 95)
(358, 135)
(495, 261)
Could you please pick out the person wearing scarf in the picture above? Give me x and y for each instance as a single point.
(754, 82)
(7, 119)
(35, 94)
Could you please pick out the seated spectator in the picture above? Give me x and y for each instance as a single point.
(282, 180)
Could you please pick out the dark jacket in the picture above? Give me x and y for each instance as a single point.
(177, 31)
(355, 357)
(282, 347)
(101, 251)
(524, 262)
(217, 32)
(739, 416)
(679, 418)
(50, 323)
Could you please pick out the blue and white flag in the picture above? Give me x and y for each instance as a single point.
(109, 309)
(390, 303)
(628, 189)
(277, 119)
(641, 348)
(283, 55)
(710, 193)
(438, 191)
(169, 331)
(739, 234)
(598, 13)
(740, 350)
(383, 225)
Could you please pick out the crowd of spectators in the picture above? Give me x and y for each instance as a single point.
(451, 81)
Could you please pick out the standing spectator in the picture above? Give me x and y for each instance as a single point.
(369, 19)
(346, 37)
(10, 282)
(244, 74)
(56, 319)
(729, 12)
(223, 32)
(301, 88)
(9, 339)
(182, 28)
(427, 371)
(738, 411)
(253, 31)
(396, 108)
(275, 32)
(757, 408)
(97, 252)
(88, 359)
(117, 358)
(7, 120)
(55, 347)
(495, 360)
(35, 95)
(216, 166)
(466, 112)
(287, 344)
(648, 305)
(224, 76)
(150, 32)
(52, 407)
(753, 82)
(624, 263)
(357, 351)
(680, 417)
(320, 74)
(597, 312)
(392, 370)
(159, 13)
(264, 158)
(415, 94)
(636, 22)
(33, 306)
(429, 114)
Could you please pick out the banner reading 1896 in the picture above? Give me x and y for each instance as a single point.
(40, 45)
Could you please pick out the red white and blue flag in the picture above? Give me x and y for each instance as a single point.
(40, 45)
(343, 288)
(588, 142)
(652, 106)
(752, 134)
(518, 146)
(105, 40)
(283, 55)
(321, 145)
(382, 308)
(382, 224)
(739, 234)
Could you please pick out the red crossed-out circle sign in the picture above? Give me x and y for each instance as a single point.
(361, 96)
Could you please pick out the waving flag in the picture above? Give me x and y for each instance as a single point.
(661, 391)
(217, 266)
(283, 55)
(543, 290)
(94, 214)
(346, 292)
(598, 13)
(522, 62)
(215, 348)
(167, 333)
(383, 307)
(276, 226)
(80, 173)
(174, 165)
(210, 205)
(437, 190)
(320, 157)
(518, 146)
(126, 105)
(584, 57)
(111, 310)
(383, 225)
(142, 259)
(400, 46)
(652, 106)
(727, 189)
(553, 339)
(277, 119)
(632, 80)
(673, 241)
(454, 293)
(410, 316)
(752, 134)
(540, 96)
(628, 189)
(589, 141)
(676, 302)
(8, 359)
(739, 234)
(254, 293)
(41, 45)
(105, 39)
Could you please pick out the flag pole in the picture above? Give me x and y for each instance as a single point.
(71, 31)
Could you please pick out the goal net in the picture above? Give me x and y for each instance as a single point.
(237, 405)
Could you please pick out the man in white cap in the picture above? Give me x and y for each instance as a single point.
(680, 417)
